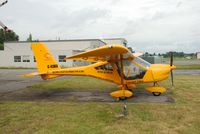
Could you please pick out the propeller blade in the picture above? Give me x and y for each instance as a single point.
(172, 78)
(171, 64)
(171, 58)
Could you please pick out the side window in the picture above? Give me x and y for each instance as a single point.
(61, 58)
(132, 71)
(26, 58)
(105, 67)
(17, 58)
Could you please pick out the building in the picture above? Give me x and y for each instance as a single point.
(198, 55)
(153, 59)
(19, 54)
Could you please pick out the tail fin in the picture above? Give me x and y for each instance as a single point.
(44, 58)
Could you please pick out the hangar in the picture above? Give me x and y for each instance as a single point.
(19, 54)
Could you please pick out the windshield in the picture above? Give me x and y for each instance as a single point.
(133, 71)
(142, 62)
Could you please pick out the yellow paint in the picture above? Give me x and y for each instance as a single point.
(157, 89)
(131, 86)
(45, 60)
(121, 93)
(113, 55)
(100, 54)
(158, 72)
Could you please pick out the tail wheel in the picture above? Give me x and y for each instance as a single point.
(156, 93)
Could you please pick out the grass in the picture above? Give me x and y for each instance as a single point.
(77, 83)
(181, 117)
(1, 47)
(187, 67)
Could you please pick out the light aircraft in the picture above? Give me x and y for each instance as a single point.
(114, 63)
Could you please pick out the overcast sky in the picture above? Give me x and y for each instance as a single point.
(148, 25)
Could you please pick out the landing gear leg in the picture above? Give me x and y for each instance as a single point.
(125, 108)
(155, 84)
(156, 93)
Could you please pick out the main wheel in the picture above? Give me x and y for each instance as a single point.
(156, 93)
(122, 98)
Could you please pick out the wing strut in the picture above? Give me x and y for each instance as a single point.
(125, 112)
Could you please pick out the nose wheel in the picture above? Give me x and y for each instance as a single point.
(156, 90)
(156, 93)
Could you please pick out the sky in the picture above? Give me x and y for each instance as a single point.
(148, 25)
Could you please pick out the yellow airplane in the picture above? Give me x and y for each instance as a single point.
(114, 63)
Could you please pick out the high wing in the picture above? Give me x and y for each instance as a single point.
(104, 53)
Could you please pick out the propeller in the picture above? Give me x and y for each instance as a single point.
(171, 64)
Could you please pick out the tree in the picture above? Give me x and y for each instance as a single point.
(29, 38)
(1, 46)
(146, 54)
(7, 36)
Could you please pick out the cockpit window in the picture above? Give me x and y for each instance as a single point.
(142, 62)
(133, 71)
(105, 67)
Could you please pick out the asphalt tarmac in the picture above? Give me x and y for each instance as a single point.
(12, 85)
(11, 81)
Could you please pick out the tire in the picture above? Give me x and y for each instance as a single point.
(122, 98)
(156, 93)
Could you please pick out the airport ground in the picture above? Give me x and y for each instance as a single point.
(83, 105)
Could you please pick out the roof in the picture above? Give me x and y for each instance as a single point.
(68, 40)
(115, 39)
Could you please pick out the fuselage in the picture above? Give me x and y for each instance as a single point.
(110, 72)
(114, 63)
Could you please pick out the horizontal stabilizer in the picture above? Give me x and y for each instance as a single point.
(32, 74)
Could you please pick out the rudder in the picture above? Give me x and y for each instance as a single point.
(44, 59)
